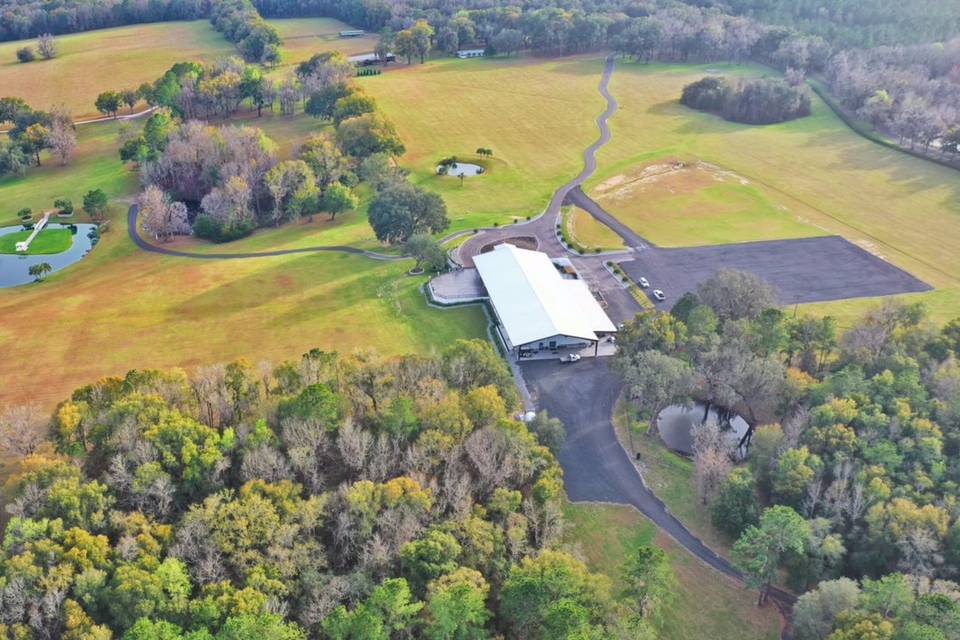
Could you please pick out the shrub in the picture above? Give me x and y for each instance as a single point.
(206, 227)
(26, 54)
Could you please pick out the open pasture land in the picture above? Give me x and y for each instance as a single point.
(95, 61)
(675, 203)
(536, 115)
(303, 37)
(901, 208)
(605, 535)
(121, 307)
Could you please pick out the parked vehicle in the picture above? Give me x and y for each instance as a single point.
(659, 295)
(571, 357)
(643, 282)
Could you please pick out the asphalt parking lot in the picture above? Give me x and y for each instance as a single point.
(803, 270)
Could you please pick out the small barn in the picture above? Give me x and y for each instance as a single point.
(471, 53)
(540, 312)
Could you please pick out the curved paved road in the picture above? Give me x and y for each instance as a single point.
(595, 467)
(134, 231)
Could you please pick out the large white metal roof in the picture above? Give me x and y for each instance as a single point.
(534, 301)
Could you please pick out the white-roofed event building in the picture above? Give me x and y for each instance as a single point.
(538, 310)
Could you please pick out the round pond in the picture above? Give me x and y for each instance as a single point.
(458, 169)
(676, 424)
(14, 267)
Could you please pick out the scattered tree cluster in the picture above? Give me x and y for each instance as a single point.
(31, 133)
(754, 101)
(853, 438)
(46, 47)
(330, 497)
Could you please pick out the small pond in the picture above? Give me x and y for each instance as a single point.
(13, 268)
(458, 169)
(676, 425)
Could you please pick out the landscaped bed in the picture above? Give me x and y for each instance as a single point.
(48, 241)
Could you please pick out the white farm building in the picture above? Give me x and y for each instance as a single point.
(539, 311)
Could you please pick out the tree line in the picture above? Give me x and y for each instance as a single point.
(334, 497)
(750, 101)
(911, 93)
(853, 437)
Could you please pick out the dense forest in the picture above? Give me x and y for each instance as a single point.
(339, 497)
(853, 437)
(858, 23)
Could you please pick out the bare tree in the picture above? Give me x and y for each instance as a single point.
(47, 46)
(21, 429)
(712, 453)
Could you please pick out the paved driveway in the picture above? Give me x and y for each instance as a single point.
(595, 466)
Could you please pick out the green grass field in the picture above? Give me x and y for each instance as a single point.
(303, 37)
(47, 242)
(676, 203)
(830, 179)
(604, 534)
(536, 115)
(91, 62)
(588, 232)
(120, 307)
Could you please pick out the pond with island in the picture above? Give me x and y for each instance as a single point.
(14, 267)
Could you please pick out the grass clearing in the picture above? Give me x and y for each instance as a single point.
(95, 61)
(536, 115)
(175, 312)
(304, 37)
(676, 203)
(48, 241)
(901, 208)
(604, 534)
(588, 232)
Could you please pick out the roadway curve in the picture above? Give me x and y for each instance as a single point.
(134, 230)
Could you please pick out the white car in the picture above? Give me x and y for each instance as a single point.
(643, 282)
(659, 295)
(573, 357)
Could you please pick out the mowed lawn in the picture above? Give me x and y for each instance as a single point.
(589, 232)
(536, 115)
(604, 535)
(901, 208)
(677, 203)
(91, 62)
(48, 241)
